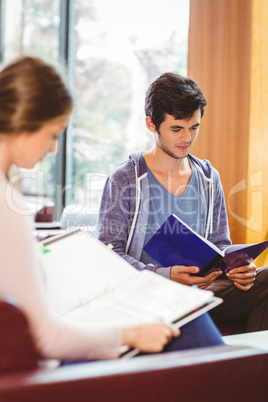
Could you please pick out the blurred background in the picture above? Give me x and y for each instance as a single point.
(109, 52)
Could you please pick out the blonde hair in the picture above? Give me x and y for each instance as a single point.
(32, 93)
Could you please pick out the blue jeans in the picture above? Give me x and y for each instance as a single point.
(198, 333)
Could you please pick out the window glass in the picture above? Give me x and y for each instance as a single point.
(40, 37)
(32, 28)
(40, 34)
(120, 48)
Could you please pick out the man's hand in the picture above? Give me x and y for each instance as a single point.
(243, 277)
(182, 274)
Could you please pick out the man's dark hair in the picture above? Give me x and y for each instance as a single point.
(175, 95)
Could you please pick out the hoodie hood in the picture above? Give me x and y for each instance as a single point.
(139, 161)
(203, 166)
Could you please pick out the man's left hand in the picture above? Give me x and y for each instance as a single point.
(243, 277)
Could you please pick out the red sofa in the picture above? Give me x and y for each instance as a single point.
(221, 373)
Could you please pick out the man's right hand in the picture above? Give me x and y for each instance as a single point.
(182, 274)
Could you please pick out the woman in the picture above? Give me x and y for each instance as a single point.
(34, 109)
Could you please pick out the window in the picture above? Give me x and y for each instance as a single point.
(115, 50)
(36, 23)
(120, 48)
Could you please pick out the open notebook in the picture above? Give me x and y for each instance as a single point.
(88, 282)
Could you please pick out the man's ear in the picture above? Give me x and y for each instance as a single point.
(149, 124)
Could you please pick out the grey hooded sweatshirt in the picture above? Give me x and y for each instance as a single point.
(123, 213)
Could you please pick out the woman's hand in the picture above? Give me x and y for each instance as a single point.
(149, 337)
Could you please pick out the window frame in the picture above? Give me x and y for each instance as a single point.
(65, 50)
(2, 13)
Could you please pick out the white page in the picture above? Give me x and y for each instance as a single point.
(146, 298)
(79, 268)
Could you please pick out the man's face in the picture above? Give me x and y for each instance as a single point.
(176, 137)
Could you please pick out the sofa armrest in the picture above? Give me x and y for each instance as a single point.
(209, 374)
(17, 351)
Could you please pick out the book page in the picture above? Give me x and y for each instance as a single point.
(79, 268)
(241, 254)
(260, 247)
(146, 298)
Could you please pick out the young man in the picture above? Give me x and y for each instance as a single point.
(142, 192)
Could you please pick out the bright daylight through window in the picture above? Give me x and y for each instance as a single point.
(117, 48)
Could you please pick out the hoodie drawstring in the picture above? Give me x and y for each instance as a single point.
(209, 225)
(138, 200)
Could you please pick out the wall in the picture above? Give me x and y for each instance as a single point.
(258, 125)
(228, 57)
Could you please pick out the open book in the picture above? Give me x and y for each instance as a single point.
(175, 243)
(88, 282)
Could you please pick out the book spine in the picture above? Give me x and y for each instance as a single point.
(211, 265)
